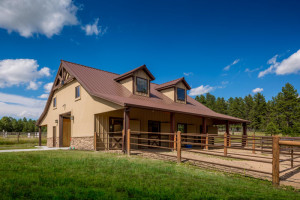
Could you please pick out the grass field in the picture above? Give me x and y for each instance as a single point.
(23, 143)
(97, 175)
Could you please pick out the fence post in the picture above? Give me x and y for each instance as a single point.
(175, 141)
(225, 144)
(253, 143)
(18, 137)
(128, 142)
(178, 147)
(206, 142)
(275, 161)
(292, 157)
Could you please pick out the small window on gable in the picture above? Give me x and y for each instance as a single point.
(180, 94)
(54, 102)
(142, 85)
(77, 92)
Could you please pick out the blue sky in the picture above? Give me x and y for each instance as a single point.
(220, 47)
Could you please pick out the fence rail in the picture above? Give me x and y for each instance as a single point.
(255, 149)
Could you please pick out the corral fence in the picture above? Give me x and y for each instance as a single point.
(21, 137)
(270, 153)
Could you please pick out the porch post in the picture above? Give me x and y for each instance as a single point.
(172, 129)
(126, 127)
(203, 137)
(244, 134)
(227, 132)
(40, 136)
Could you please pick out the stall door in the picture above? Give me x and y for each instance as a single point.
(154, 127)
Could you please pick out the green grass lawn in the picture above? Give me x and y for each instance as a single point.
(98, 175)
(23, 143)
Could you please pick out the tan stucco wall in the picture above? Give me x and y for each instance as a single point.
(127, 83)
(169, 93)
(83, 110)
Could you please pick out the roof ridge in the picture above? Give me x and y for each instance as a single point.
(171, 81)
(89, 67)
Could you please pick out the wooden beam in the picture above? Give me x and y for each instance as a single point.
(227, 132)
(289, 143)
(40, 136)
(178, 147)
(275, 161)
(204, 131)
(244, 137)
(172, 130)
(126, 125)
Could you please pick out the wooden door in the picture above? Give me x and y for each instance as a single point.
(135, 125)
(54, 136)
(66, 132)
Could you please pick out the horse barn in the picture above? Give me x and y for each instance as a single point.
(92, 109)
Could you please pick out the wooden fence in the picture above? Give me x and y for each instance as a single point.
(265, 150)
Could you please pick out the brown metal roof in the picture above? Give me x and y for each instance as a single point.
(173, 84)
(102, 84)
(130, 73)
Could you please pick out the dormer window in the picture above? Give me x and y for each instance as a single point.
(142, 85)
(180, 94)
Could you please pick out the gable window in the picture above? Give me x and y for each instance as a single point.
(54, 102)
(180, 94)
(142, 85)
(77, 92)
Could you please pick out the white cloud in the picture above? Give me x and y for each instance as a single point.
(37, 16)
(290, 65)
(33, 85)
(48, 87)
(256, 90)
(233, 63)
(19, 106)
(14, 72)
(44, 96)
(94, 29)
(252, 70)
(201, 90)
(188, 73)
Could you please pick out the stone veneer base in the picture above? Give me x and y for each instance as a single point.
(83, 143)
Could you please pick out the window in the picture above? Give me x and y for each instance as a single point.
(54, 102)
(142, 85)
(77, 92)
(180, 94)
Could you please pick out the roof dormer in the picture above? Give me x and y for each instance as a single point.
(175, 90)
(137, 80)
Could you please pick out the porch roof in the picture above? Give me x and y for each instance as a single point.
(102, 84)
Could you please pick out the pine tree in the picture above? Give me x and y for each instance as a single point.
(288, 109)
(258, 113)
(248, 101)
(221, 105)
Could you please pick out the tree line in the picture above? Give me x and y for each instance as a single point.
(281, 114)
(10, 124)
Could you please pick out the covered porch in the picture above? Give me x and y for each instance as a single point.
(150, 128)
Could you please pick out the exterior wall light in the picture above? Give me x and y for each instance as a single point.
(72, 118)
(56, 121)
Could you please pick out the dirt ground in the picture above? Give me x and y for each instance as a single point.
(234, 163)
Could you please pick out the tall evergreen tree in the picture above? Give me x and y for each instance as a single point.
(258, 113)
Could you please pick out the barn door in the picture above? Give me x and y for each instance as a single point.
(154, 127)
